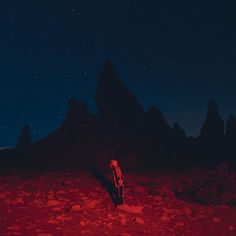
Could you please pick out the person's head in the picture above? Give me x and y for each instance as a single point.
(113, 163)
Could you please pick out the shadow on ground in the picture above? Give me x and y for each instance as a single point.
(106, 184)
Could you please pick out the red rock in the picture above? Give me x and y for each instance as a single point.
(57, 209)
(131, 208)
(18, 200)
(216, 220)
(5, 194)
(44, 234)
(165, 191)
(76, 207)
(187, 211)
(123, 221)
(157, 198)
(52, 203)
(139, 220)
(63, 218)
(165, 218)
(180, 224)
(82, 223)
(92, 204)
(52, 221)
(140, 189)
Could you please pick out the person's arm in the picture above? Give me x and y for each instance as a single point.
(120, 178)
(115, 177)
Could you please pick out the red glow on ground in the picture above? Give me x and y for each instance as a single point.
(76, 204)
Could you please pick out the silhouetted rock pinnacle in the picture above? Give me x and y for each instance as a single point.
(210, 149)
(230, 131)
(230, 139)
(115, 102)
(213, 127)
(77, 115)
(178, 132)
(155, 124)
(25, 138)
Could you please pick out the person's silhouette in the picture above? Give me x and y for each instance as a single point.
(118, 180)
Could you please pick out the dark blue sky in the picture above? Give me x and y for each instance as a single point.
(173, 54)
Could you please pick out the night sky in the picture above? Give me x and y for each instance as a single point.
(174, 54)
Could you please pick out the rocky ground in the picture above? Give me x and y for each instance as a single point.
(72, 203)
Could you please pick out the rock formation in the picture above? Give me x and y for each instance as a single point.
(155, 124)
(177, 132)
(25, 137)
(210, 148)
(78, 115)
(230, 139)
(116, 104)
(230, 131)
(122, 125)
(213, 127)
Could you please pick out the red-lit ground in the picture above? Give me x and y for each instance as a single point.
(74, 203)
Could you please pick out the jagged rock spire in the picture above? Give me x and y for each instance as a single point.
(77, 115)
(177, 131)
(155, 122)
(230, 131)
(213, 127)
(115, 102)
(25, 137)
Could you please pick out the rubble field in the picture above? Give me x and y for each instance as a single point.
(194, 202)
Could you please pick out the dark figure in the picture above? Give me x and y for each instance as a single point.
(118, 181)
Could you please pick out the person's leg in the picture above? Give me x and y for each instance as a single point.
(121, 194)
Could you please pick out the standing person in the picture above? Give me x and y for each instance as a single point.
(118, 180)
